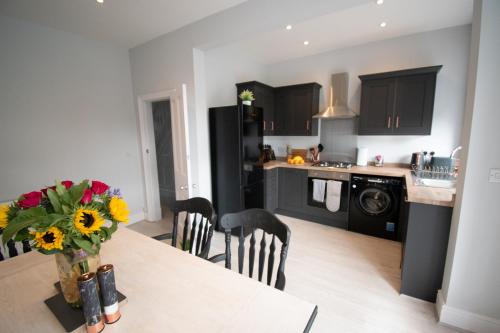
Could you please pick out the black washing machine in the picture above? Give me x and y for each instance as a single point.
(374, 206)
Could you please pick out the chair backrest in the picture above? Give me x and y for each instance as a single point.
(248, 221)
(12, 249)
(199, 219)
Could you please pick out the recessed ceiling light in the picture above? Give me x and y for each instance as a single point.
(100, 1)
(306, 42)
(288, 27)
(383, 24)
(379, 2)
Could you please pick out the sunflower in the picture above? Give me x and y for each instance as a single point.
(87, 221)
(4, 216)
(118, 209)
(49, 240)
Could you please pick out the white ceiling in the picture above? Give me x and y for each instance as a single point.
(123, 22)
(354, 26)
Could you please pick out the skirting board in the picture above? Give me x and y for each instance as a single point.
(137, 217)
(464, 320)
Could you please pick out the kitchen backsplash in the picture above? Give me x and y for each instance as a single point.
(340, 141)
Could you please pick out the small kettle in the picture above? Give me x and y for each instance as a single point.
(417, 161)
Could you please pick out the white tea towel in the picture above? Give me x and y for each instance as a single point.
(319, 190)
(333, 192)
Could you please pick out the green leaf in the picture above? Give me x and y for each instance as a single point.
(21, 235)
(54, 200)
(16, 225)
(53, 219)
(84, 245)
(63, 194)
(66, 209)
(95, 239)
(76, 191)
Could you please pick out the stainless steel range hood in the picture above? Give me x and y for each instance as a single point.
(338, 95)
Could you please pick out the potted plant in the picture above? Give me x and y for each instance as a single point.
(246, 97)
(68, 220)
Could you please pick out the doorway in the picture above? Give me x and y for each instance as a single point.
(162, 125)
(170, 135)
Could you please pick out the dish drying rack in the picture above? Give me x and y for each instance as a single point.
(435, 172)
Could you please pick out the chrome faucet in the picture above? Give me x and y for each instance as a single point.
(454, 151)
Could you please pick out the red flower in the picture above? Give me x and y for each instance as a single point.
(31, 199)
(87, 197)
(44, 191)
(99, 187)
(67, 183)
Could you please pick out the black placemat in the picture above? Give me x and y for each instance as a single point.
(70, 318)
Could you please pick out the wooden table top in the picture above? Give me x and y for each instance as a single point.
(167, 290)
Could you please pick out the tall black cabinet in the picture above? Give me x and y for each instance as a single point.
(236, 139)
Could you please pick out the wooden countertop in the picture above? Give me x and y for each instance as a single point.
(418, 194)
(167, 290)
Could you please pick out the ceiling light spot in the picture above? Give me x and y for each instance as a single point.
(383, 24)
(288, 27)
(306, 42)
(379, 2)
(100, 1)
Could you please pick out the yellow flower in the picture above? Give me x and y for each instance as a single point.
(4, 218)
(87, 221)
(49, 240)
(118, 209)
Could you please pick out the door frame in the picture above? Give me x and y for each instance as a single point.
(178, 105)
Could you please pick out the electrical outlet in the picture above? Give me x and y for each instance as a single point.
(494, 175)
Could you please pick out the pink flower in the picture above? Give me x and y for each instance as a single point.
(99, 187)
(87, 196)
(67, 183)
(31, 199)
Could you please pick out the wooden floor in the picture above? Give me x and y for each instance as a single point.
(353, 278)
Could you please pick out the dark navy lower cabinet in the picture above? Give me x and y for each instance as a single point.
(424, 247)
(271, 189)
(292, 200)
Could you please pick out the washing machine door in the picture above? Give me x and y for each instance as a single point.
(374, 201)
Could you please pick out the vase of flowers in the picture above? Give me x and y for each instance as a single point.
(246, 97)
(68, 220)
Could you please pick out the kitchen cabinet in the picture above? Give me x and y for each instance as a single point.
(292, 186)
(288, 110)
(292, 199)
(425, 233)
(264, 98)
(294, 109)
(398, 103)
(271, 190)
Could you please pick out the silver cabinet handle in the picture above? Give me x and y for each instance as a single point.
(397, 121)
(389, 122)
(307, 125)
(272, 125)
(264, 125)
(184, 188)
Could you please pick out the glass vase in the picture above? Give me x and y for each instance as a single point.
(70, 265)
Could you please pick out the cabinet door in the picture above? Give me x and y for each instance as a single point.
(264, 98)
(414, 104)
(281, 112)
(292, 189)
(271, 189)
(377, 107)
(299, 111)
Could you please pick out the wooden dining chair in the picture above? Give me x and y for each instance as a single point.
(196, 235)
(248, 221)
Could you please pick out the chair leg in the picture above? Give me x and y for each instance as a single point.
(217, 258)
(163, 236)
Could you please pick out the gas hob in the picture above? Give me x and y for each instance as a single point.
(333, 164)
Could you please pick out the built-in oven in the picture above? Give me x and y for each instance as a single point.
(342, 177)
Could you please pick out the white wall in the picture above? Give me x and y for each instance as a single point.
(447, 47)
(66, 112)
(177, 57)
(470, 297)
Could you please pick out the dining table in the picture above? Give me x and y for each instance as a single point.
(166, 289)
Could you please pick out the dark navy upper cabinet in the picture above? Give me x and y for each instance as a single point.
(398, 103)
(288, 110)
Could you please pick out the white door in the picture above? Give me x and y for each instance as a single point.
(180, 141)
